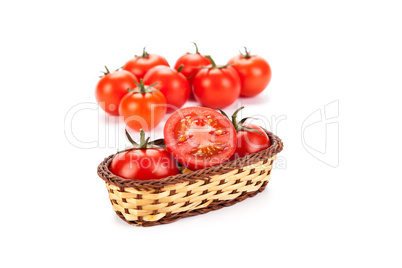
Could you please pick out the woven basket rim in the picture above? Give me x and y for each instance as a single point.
(203, 174)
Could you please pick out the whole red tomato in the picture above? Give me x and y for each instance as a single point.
(191, 63)
(250, 138)
(250, 142)
(199, 137)
(254, 72)
(111, 88)
(171, 83)
(143, 161)
(139, 65)
(143, 108)
(216, 86)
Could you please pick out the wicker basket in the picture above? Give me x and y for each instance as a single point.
(153, 202)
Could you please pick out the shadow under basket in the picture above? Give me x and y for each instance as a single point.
(153, 202)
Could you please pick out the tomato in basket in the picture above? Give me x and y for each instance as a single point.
(144, 161)
(199, 137)
(250, 138)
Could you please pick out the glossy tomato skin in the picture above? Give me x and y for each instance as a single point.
(254, 72)
(171, 83)
(139, 65)
(191, 63)
(111, 89)
(143, 111)
(144, 164)
(199, 137)
(217, 87)
(250, 142)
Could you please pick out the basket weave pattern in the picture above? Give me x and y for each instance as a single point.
(153, 202)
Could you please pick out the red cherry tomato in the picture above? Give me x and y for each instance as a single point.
(199, 137)
(216, 86)
(143, 162)
(250, 138)
(171, 83)
(111, 88)
(146, 164)
(250, 142)
(191, 63)
(254, 72)
(139, 65)
(143, 108)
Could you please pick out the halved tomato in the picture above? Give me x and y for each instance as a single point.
(199, 137)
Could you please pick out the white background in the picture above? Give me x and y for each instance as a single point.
(55, 210)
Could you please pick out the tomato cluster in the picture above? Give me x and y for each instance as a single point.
(146, 88)
(194, 138)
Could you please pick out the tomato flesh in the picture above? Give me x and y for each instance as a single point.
(199, 137)
(204, 135)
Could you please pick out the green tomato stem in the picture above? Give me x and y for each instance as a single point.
(196, 48)
(247, 55)
(212, 61)
(142, 87)
(107, 70)
(180, 68)
(234, 118)
(142, 139)
(144, 54)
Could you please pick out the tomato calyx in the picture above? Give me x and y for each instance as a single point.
(144, 55)
(247, 55)
(141, 88)
(180, 68)
(144, 143)
(238, 125)
(213, 64)
(105, 73)
(108, 72)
